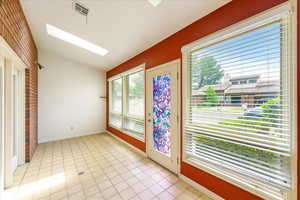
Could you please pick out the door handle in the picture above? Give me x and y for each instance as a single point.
(149, 120)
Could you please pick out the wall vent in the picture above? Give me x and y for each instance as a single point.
(81, 9)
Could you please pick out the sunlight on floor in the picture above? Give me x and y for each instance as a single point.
(27, 190)
(95, 167)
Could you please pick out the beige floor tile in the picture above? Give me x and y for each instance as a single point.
(111, 171)
(128, 193)
(156, 189)
(89, 191)
(131, 181)
(121, 186)
(165, 196)
(109, 192)
(146, 195)
(138, 187)
(104, 184)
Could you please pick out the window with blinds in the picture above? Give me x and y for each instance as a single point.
(115, 117)
(127, 103)
(134, 117)
(238, 112)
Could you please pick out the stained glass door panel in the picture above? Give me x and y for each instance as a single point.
(162, 114)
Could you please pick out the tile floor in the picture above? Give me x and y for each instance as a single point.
(110, 171)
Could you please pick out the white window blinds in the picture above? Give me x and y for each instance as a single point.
(127, 103)
(238, 108)
(134, 118)
(115, 117)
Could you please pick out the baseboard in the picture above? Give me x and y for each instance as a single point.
(69, 137)
(124, 142)
(202, 189)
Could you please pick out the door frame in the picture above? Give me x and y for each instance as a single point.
(11, 62)
(15, 104)
(20, 126)
(178, 62)
(2, 85)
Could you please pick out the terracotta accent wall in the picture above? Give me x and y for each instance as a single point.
(170, 49)
(298, 100)
(15, 30)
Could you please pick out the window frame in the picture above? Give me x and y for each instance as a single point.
(111, 103)
(244, 26)
(125, 85)
(126, 103)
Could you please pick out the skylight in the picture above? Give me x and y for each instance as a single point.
(155, 2)
(73, 39)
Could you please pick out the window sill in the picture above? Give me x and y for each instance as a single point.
(237, 180)
(129, 133)
(132, 134)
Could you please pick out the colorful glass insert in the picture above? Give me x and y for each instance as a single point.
(162, 114)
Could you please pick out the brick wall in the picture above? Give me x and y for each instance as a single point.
(15, 30)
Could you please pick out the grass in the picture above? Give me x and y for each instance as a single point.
(257, 129)
(221, 108)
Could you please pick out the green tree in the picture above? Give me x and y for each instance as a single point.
(272, 110)
(212, 98)
(206, 72)
(117, 86)
(136, 84)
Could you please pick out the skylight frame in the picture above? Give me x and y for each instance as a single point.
(155, 2)
(75, 40)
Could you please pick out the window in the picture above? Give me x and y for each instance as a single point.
(115, 117)
(242, 140)
(127, 102)
(252, 81)
(243, 82)
(134, 117)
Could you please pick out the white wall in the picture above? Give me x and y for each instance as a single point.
(69, 99)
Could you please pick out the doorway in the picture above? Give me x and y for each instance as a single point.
(15, 100)
(12, 113)
(162, 88)
(1, 125)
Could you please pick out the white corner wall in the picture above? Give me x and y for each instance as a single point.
(69, 99)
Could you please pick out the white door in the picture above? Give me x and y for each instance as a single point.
(162, 114)
(16, 95)
(1, 125)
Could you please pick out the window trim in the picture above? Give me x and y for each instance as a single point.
(111, 103)
(124, 114)
(251, 23)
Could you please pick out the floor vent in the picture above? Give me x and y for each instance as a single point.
(80, 173)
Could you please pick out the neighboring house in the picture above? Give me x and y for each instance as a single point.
(250, 90)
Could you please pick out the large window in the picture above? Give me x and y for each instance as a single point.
(115, 117)
(127, 103)
(134, 117)
(238, 115)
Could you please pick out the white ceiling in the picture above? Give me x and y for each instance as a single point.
(123, 27)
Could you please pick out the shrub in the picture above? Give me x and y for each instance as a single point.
(212, 98)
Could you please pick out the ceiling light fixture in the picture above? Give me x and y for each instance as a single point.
(73, 39)
(155, 2)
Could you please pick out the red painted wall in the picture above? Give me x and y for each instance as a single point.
(298, 85)
(137, 143)
(170, 49)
